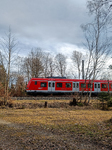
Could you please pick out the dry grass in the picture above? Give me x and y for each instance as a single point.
(51, 101)
(91, 124)
(40, 101)
(53, 116)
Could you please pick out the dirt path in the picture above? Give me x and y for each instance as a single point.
(3, 122)
(22, 137)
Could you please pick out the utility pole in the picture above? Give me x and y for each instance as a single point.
(82, 69)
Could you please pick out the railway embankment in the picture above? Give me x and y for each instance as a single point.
(47, 98)
(41, 98)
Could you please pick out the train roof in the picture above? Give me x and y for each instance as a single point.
(65, 79)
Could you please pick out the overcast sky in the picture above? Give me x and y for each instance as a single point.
(53, 25)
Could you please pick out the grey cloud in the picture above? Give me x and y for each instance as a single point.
(45, 21)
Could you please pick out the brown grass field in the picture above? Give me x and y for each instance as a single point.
(70, 127)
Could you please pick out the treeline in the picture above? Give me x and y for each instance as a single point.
(38, 63)
(16, 71)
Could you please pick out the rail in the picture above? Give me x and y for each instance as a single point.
(46, 98)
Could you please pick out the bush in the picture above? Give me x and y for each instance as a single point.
(10, 103)
(1, 101)
(105, 99)
(80, 104)
(103, 96)
(109, 103)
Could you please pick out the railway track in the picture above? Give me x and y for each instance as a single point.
(41, 98)
(46, 98)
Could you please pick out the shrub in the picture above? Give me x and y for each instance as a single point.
(2, 90)
(103, 96)
(105, 99)
(80, 104)
(10, 103)
(110, 120)
(1, 101)
(109, 102)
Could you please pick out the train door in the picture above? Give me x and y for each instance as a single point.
(97, 87)
(75, 86)
(51, 86)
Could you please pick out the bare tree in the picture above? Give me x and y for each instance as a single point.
(1, 59)
(49, 66)
(26, 66)
(33, 65)
(19, 71)
(19, 63)
(2, 70)
(2, 74)
(60, 63)
(97, 38)
(9, 52)
(77, 61)
(46, 64)
(71, 72)
(20, 86)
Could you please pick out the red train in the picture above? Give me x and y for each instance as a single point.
(63, 85)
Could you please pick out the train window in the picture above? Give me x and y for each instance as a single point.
(49, 84)
(59, 84)
(83, 85)
(77, 85)
(53, 84)
(95, 85)
(73, 85)
(111, 86)
(104, 86)
(98, 85)
(43, 84)
(68, 85)
(35, 82)
(90, 85)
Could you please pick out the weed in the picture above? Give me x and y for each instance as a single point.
(90, 133)
(23, 107)
(10, 103)
(80, 104)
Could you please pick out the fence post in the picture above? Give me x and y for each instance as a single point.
(45, 105)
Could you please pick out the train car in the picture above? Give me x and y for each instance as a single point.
(63, 85)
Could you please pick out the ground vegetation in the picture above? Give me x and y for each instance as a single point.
(55, 128)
